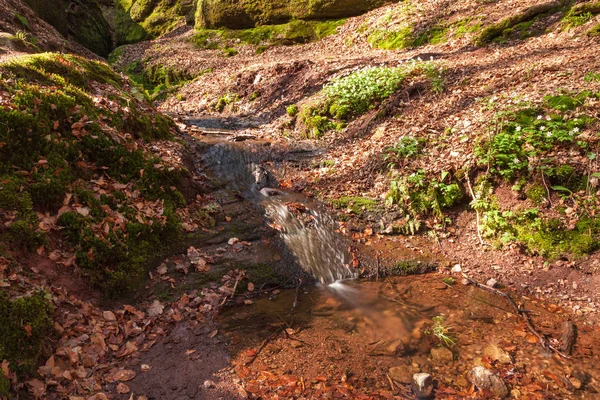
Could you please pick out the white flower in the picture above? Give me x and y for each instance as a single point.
(516, 160)
(548, 118)
(518, 129)
(549, 134)
(539, 117)
(542, 128)
(575, 130)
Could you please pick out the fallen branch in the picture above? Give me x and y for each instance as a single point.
(262, 346)
(524, 314)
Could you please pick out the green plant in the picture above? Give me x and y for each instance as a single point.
(592, 76)
(527, 135)
(441, 331)
(226, 100)
(22, 20)
(420, 195)
(449, 281)
(292, 110)
(406, 148)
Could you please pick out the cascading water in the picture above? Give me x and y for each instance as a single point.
(307, 229)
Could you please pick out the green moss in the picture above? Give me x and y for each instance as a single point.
(226, 100)
(292, 110)
(25, 324)
(155, 80)
(138, 20)
(61, 146)
(595, 31)
(520, 22)
(293, 32)
(537, 194)
(248, 14)
(391, 39)
(407, 267)
(552, 240)
(357, 205)
(4, 385)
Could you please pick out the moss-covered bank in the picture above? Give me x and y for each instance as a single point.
(72, 149)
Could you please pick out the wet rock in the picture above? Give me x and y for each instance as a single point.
(422, 385)
(442, 354)
(403, 374)
(387, 348)
(486, 380)
(495, 353)
(492, 283)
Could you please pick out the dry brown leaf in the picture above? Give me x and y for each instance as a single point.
(123, 388)
(155, 309)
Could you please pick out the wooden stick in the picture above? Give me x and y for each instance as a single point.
(522, 313)
(476, 212)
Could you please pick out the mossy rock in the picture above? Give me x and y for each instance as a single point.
(236, 14)
(138, 20)
(84, 21)
(519, 21)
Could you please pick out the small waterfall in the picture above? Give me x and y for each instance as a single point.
(307, 229)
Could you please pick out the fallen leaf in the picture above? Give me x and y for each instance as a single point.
(124, 375)
(155, 309)
(123, 388)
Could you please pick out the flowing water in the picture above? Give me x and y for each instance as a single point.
(306, 228)
(358, 330)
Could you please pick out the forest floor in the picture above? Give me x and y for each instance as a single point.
(223, 316)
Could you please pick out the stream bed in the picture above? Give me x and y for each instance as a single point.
(343, 337)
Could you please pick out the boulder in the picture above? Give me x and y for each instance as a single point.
(82, 20)
(242, 14)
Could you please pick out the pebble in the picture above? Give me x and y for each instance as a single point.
(457, 268)
(485, 379)
(495, 353)
(442, 354)
(403, 374)
(492, 283)
(422, 385)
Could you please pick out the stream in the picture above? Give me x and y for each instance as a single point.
(336, 335)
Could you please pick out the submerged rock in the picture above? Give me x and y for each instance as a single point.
(495, 353)
(486, 380)
(422, 385)
(387, 348)
(442, 354)
(403, 374)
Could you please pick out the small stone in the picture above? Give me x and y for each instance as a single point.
(442, 354)
(233, 241)
(441, 286)
(465, 282)
(575, 382)
(402, 374)
(495, 353)
(486, 380)
(387, 348)
(296, 343)
(422, 385)
(457, 268)
(492, 283)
